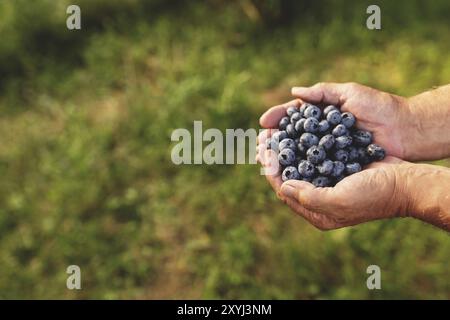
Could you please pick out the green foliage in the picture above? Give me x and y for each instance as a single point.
(86, 119)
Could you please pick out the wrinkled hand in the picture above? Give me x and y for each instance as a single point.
(385, 115)
(385, 189)
(375, 193)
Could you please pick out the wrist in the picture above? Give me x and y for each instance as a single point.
(425, 127)
(428, 199)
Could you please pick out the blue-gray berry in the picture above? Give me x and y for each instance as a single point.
(311, 125)
(283, 123)
(348, 119)
(341, 155)
(306, 169)
(324, 126)
(290, 130)
(334, 117)
(321, 182)
(375, 152)
(326, 167)
(291, 110)
(327, 141)
(287, 144)
(362, 138)
(338, 169)
(343, 142)
(352, 153)
(303, 108)
(295, 117)
(299, 125)
(279, 135)
(339, 130)
(353, 167)
(363, 158)
(312, 111)
(286, 157)
(290, 173)
(328, 109)
(316, 154)
(309, 139)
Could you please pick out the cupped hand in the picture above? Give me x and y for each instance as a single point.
(377, 192)
(385, 115)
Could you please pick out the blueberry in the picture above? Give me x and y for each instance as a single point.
(306, 169)
(290, 130)
(299, 125)
(353, 167)
(279, 135)
(341, 155)
(316, 154)
(326, 167)
(362, 138)
(283, 123)
(338, 169)
(268, 142)
(311, 125)
(286, 157)
(295, 117)
(363, 158)
(343, 141)
(348, 119)
(309, 139)
(375, 152)
(334, 117)
(273, 145)
(324, 125)
(352, 153)
(312, 111)
(291, 110)
(290, 173)
(327, 141)
(339, 130)
(303, 109)
(287, 144)
(328, 109)
(321, 182)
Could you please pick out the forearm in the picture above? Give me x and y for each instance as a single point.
(428, 127)
(428, 189)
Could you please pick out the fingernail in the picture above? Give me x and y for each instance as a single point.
(288, 190)
(297, 90)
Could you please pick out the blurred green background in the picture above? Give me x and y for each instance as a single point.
(86, 176)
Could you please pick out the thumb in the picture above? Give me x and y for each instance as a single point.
(323, 92)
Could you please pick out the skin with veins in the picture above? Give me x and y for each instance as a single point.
(413, 129)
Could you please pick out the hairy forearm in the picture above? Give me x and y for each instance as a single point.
(428, 192)
(428, 127)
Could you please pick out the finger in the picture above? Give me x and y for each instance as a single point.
(386, 161)
(271, 117)
(318, 220)
(323, 92)
(321, 200)
(272, 170)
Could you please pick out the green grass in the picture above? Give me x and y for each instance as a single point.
(85, 167)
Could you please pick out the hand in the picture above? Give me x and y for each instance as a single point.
(385, 115)
(375, 193)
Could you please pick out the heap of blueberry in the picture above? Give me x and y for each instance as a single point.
(321, 146)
